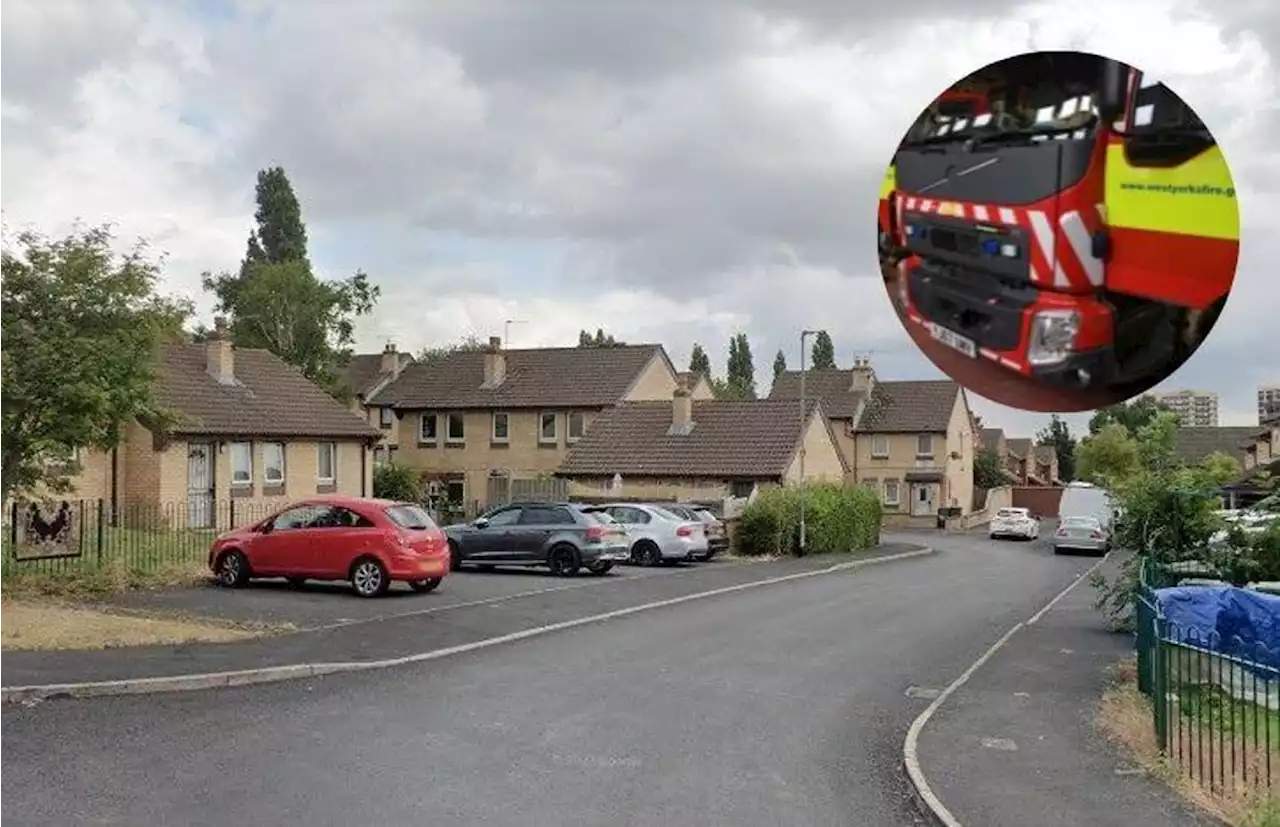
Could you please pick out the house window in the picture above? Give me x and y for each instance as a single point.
(242, 463)
(924, 445)
(890, 492)
(577, 425)
(64, 460)
(428, 428)
(326, 462)
(879, 446)
(386, 417)
(457, 428)
(547, 423)
(501, 427)
(273, 463)
(871, 482)
(739, 489)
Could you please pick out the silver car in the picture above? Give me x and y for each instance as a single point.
(1081, 534)
(658, 536)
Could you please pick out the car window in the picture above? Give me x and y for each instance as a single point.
(705, 516)
(1012, 512)
(627, 514)
(546, 515)
(601, 517)
(505, 517)
(410, 516)
(1090, 521)
(304, 516)
(666, 514)
(339, 517)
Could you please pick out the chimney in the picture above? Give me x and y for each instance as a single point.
(864, 378)
(219, 357)
(390, 360)
(681, 409)
(495, 363)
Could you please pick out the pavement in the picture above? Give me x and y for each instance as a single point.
(1016, 744)
(779, 705)
(340, 628)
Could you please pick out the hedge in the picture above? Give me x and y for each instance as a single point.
(838, 518)
(397, 482)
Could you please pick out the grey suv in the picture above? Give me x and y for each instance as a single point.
(560, 536)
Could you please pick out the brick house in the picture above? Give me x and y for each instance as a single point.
(366, 374)
(474, 422)
(911, 440)
(704, 450)
(252, 434)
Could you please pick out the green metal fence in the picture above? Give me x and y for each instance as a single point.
(66, 536)
(1215, 703)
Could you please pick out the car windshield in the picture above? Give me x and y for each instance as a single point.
(1011, 513)
(705, 516)
(1082, 522)
(407, 515)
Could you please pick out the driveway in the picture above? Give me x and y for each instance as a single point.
(784, 704)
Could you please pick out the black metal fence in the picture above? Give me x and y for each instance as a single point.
(72, 534)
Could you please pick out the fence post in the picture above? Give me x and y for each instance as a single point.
(1160, 683)
(101, 529)
(1143, 622)
(231, 513)
(13, 528)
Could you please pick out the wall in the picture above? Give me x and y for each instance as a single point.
(821, 457)
(901, 459)
(702, 390)
(997, 498)
(656, 383)
(1040, 499)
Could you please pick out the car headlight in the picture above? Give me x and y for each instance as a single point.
(1053, 336)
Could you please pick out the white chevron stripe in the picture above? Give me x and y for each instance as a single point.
(980, 213)
(1078, 234)
(1044, 237)
(1007, 216)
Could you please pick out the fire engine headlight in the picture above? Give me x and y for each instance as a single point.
(1053, 336)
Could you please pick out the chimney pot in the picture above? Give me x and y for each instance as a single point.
(219, 355)
(390, 365)
(220, 325)
(495, 363)
(495, 343)
(681, 409)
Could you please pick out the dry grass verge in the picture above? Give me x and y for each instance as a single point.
(29, 625)
(90, 581)
(1125, 716)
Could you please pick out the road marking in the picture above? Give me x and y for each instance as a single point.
(1003, 744)
(243, 677)
(923, 692)
(911, 746)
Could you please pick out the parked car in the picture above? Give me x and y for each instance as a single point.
(1082, 499)
(1081, 534)
(659, 536)
(369, 542)
(564, 537)
(712, 526)
(1015, 522)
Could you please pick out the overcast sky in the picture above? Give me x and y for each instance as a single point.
(673, 172)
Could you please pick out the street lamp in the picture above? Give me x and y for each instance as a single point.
(804, 336)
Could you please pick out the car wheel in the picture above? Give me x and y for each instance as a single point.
(232, 569)
(424, 586)
(369, 578)
(646, 553)
(297, 582)
(563, 561)
(455, 556)
(599, 569)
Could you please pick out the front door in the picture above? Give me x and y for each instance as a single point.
(200, 485)
(923, 501)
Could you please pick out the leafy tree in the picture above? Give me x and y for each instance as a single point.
(740, 378)
(1157, 442)
(600, 339)
(275, 300)
(1220, 468)
(392, 481)
(1133, 414)
(80, 327)
(987, 471)
(1109, 457)
(823, 351)
(1058, 436)
(779, 364)
(699, 362)
(469, 344)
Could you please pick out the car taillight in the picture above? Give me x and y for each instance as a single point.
(684, 531)
(595, 533)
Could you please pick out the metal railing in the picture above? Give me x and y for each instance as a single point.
(1215, 703)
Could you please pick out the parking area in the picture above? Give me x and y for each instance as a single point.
(317, 605)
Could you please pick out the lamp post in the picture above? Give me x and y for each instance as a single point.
(804, 337)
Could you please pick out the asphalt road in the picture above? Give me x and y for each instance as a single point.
(782, 705)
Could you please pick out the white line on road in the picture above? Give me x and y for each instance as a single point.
(911, 746)
(212, 680)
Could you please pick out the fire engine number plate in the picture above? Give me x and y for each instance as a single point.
(953, 340)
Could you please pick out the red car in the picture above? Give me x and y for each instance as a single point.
(369, 542)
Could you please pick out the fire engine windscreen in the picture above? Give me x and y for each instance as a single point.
(1028, 98)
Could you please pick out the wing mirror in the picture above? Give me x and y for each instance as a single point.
(1111, 97)
(480, 522)
(265, 527)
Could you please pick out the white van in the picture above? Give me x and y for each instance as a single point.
(1082, 499)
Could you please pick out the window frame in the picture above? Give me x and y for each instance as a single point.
(233, 449)
(332, 447)
(880, 454)
(449, 419)
(920, 441)
(386, 417)
(543, 439)
(493, 427)
(434, 418)
(268, 481)
(897, 492)
(568, 426)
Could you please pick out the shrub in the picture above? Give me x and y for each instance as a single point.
(397, 482)
(838, 518)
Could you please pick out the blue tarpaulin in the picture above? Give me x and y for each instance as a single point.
(1224, 619)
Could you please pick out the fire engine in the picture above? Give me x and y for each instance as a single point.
(1064, 216)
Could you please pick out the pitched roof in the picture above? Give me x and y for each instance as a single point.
(1046, 453)
(1195, 443)
(831, 386)
(1019, 446)
(991, 437)
(271, 398)
(365, 369)
(910, 407)
(757, 439)
(562, 377)
(691, 378)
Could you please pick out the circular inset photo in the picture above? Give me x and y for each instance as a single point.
(1058, 231)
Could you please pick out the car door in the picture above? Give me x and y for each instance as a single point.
(635, 521)
(538, 523)
(342, 536)
(283, 549)
(492, 542)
